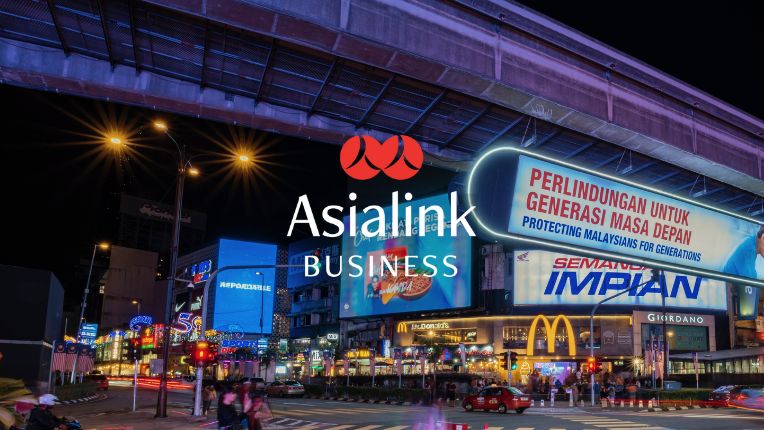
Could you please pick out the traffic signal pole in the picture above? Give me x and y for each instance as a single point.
(655, 277)
(135, 383)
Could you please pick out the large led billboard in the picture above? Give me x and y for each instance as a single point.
(550, 278)
(543, 202)
(242, 296)
(439, 273)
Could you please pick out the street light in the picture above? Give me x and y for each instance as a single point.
(137, 302)
(183, 168)
(262, 300)
(104, 246)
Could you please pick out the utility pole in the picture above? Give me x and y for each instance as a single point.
(655, 277)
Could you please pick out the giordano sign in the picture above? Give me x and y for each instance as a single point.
(551, 330)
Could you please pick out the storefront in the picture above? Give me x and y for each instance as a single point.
(686, 332)
(486, 338)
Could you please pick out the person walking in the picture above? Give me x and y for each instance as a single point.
(451, 394)
(631, 388)
(228, 418)
(208, 396)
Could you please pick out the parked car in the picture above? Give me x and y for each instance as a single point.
(749, 397)
(101, 380)
(498, 399)
(285, 389)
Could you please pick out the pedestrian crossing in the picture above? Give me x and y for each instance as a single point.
(589, 422)
(606, 423)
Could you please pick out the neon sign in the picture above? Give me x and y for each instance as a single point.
(187, 322)
(200, 271)
(140, 321)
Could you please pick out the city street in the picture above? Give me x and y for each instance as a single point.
(303, 414)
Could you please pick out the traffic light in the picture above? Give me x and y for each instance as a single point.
(134, 352)
(317, 254)
(513, 360)
(203, 353)
(503, 360)
(591, 364)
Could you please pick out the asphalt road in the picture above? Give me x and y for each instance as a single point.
(303, 414)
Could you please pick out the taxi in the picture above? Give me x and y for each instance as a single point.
(500, 399)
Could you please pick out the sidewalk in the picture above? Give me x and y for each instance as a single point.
(144, 420)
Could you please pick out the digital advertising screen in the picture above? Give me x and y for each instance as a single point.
(550, 278)
(440, 267)
(242, 296)
(537, 200)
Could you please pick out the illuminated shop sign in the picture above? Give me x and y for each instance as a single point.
(551, 328)
(200, 271)
(231, 343)
(332, 336)
(140, 321)
(549, 278)
(404, 327)
(540, 201)
(674, 318)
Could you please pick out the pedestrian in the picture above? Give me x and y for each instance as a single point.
(208, 395)
(631, 388)
(451, 394)
(228, 418)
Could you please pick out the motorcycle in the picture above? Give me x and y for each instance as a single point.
(71, 424)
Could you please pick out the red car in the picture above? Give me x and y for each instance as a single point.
(498, 399)
(101, 380)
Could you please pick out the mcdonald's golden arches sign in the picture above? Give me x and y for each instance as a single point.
(551, 331)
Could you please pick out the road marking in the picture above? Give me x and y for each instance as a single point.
(622, 425)
(397, 427)
(340, 427)
(368, 427)
(495, 428)
(308, 427)
(525, 428)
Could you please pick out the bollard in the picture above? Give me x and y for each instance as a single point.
(551, 402)
(641, 405)
(631, 403)
(570, 401)
(649, 403)
(623, 404)
(581, 403)
(533, 403)
(542, 403)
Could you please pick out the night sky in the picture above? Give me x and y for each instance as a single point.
(61, 184)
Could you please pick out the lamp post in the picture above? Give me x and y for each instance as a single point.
(104, 246)
(262, 299)
(137, 302)
(183, 168)
(655, 277)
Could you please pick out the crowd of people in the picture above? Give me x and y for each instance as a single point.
(240, 406)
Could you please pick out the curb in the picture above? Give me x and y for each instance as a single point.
(83, 400)
(673, 408)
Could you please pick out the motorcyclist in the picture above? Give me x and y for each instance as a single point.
(41, 417)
